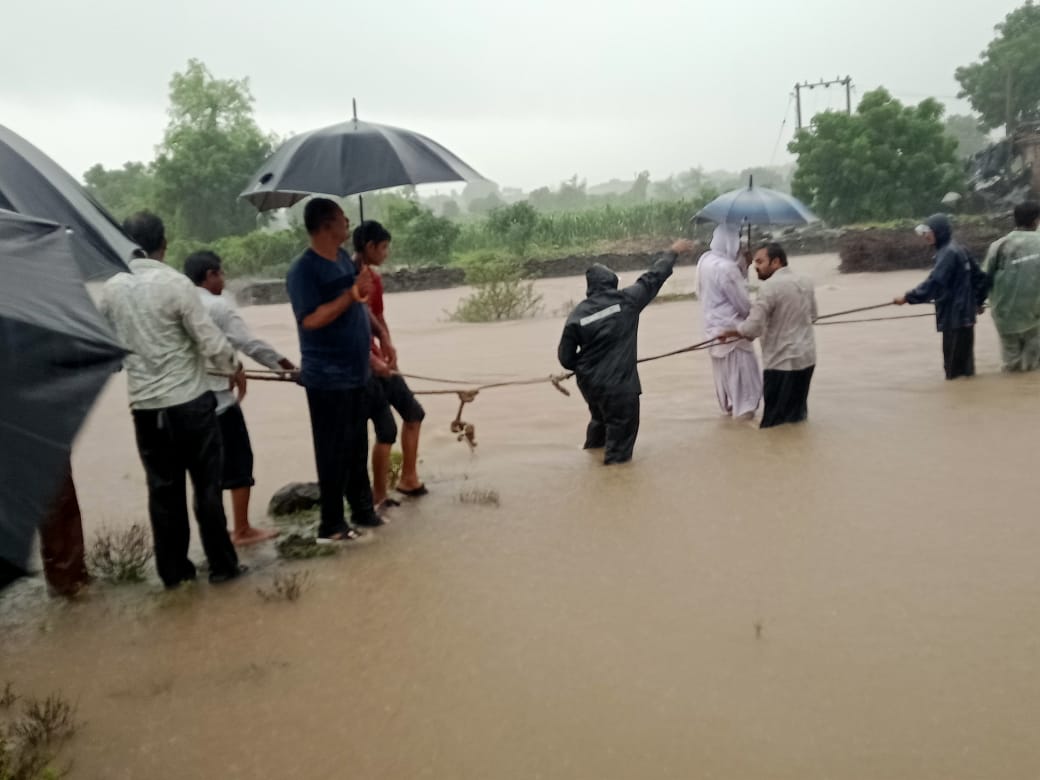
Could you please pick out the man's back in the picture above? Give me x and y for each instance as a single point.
(600, 336)
(1013, 266)
(157, 315)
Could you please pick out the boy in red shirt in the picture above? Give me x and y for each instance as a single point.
(387, 387)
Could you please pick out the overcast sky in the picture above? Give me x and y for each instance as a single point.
(527, 93)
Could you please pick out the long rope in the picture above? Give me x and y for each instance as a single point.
(467, 391)
(879, 319)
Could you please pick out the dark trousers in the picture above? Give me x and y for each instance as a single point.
(61, 541)
(786, 395)
(339, 426)
(959, 352)
(614, 425)
(172, 441)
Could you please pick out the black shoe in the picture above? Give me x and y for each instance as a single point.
(216, 578)
(372, 521)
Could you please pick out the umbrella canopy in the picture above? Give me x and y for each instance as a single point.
(351, 158)
(31, 183)
(753, 205)
(56, 352)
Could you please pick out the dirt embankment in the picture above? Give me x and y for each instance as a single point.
(899, 249)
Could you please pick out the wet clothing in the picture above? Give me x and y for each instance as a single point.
(392, 392)
(599, 345)
(1021, 351)
(61, 542)
(959, 352)
(782, 316)
(956, 284)
(172, 441)
(335, 371)
(334, 357)
(725, 303)
(1012, 267)
(237, 449)
(613, 426)
(235, 330)
(340, 434)
(157, 315)
(958, 287)
(738, 382)
(786, 395)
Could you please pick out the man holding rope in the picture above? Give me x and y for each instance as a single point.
(958, 288)
(782, 316)
(327, 296)
(599, 346)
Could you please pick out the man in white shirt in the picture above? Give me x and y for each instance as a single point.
(157, 315)
(205, 271)
(725, 303)
(782, 316)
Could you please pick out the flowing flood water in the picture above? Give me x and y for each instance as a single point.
(855, 597)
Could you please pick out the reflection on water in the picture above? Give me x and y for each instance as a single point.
(851, 598)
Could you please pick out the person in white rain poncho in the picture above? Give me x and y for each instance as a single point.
(725, 303)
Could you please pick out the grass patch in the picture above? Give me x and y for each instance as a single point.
(286, 586)
(480, 497)
(30, 741)
(120, 556)
(296, 547)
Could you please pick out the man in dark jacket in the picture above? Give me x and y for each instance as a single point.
(958, 287)
(599, 346)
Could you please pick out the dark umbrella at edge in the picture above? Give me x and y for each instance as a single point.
(32, 184)
(56, 353)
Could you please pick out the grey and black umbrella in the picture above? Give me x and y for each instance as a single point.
(351, 158)
(753, 205)
(56, 352)
(31, 183)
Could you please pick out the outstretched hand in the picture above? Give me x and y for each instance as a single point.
(683, 246)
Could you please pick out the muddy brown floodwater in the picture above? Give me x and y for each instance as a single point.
(851, 598)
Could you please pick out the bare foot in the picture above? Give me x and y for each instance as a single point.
(253, 536)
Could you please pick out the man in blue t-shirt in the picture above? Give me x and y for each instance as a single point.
(327, 298)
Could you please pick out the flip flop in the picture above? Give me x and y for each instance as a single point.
(414, 492)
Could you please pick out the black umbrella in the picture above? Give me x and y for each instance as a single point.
(31, 183)
(348, 159)
(56, 352)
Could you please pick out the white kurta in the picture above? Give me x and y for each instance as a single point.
(725, 303)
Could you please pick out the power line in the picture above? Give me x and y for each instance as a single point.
(780, 135)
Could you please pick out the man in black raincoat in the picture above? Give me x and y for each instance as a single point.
(958, 287)
(599, 346)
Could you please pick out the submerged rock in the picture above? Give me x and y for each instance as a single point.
(294, 497)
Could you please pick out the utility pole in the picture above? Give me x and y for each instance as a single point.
(846, 82)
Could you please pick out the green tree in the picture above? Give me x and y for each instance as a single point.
(122, 190)
(211, 147)
(885, 161)
(419, 235)
(971, 139)
(514, 226)
(1004, 85)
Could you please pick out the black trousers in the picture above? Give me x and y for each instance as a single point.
(614, 425)
(339, 426)
(786, 395)
(959, 352)
(172, 441)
